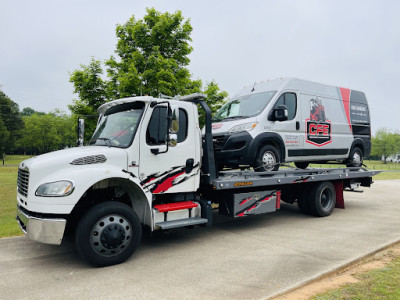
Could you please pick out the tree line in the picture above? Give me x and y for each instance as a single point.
(151, 58)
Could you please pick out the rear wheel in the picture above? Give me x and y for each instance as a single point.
(301, 164)
(355, 158)
(267, 159)
(322, 199)
(108, 234)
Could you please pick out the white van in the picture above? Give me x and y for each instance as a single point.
(292, 120)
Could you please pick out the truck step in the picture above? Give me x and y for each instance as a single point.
(181, 223)
(175, 206)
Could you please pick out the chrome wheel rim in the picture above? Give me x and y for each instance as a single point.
(111, 235)
(357, 158)
(269, 160)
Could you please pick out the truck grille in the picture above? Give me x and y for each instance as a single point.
(23, 181)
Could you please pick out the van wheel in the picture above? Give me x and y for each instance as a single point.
(108, 234)
(301, 164)
(322, 199)
(267, 159)
(355, 158)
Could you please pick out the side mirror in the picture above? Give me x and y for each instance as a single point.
(173, 139)
(278, 114)
(174, 117)
(81, 131)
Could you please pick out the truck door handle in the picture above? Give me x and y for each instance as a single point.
(189, 165)
(297, 125)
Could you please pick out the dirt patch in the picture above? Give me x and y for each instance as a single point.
(343, 276)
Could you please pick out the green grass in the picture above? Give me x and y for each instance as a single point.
(8, 202)
(14, 160)
(381, 283)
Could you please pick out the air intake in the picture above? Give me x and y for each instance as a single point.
(89, 160)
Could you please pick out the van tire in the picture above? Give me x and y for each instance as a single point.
(322, 199)
(108, 234)
(355, 158)
(267, 154)
(301, 164)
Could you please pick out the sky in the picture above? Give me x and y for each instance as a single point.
(352, 44)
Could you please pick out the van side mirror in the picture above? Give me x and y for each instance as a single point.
(279, 113)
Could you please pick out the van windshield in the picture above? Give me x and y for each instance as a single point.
(244, 106)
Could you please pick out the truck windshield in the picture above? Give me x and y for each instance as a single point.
(244, 106)
(117, 127)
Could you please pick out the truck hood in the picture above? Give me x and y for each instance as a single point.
(56, 160)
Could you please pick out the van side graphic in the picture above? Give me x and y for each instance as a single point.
(318, 127)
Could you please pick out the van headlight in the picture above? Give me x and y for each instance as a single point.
(55, 189)
(243, 127)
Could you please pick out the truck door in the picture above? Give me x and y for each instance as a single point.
(291, 128)
(174, 168)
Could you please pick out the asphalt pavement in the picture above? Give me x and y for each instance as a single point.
(252, 258)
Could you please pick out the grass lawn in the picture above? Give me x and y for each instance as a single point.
(8, 202)
(13, 160)
(377, 284)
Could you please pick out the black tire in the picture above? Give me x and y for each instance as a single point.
(303, 201)
(322, 199)
(356, 158)
(108, 234)
(301, 164)
(267, 154)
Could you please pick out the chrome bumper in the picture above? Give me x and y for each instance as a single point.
(48, 231)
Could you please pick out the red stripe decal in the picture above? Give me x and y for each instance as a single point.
(346, 103)
(166, 184)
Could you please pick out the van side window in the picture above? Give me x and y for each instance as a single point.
(290, 100)
(158, 126)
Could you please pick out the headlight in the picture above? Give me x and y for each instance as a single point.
(55, 189)
(243, 127)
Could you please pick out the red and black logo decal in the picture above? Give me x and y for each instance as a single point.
(318, 127)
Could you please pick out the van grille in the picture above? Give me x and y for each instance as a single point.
(219, 142)
(23, 181)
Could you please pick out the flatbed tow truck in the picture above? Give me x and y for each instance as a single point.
(158, 172)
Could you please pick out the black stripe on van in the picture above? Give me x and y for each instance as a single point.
(311, 152)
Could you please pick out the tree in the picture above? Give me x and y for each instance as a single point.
(385, 143)
(12, 122)
(27, 111)
(151, 59)
(47, 132)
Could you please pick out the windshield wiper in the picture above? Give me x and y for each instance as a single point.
(106, 140)
(234, 117)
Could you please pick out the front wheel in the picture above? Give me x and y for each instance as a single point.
(355, 158)
(108, 234)
(267, 159)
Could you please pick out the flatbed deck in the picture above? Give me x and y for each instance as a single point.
(246, 179)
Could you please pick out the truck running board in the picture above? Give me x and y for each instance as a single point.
(182, 223)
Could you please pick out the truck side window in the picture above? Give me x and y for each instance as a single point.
(288, 99)
(183, 125)
(157, 131)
